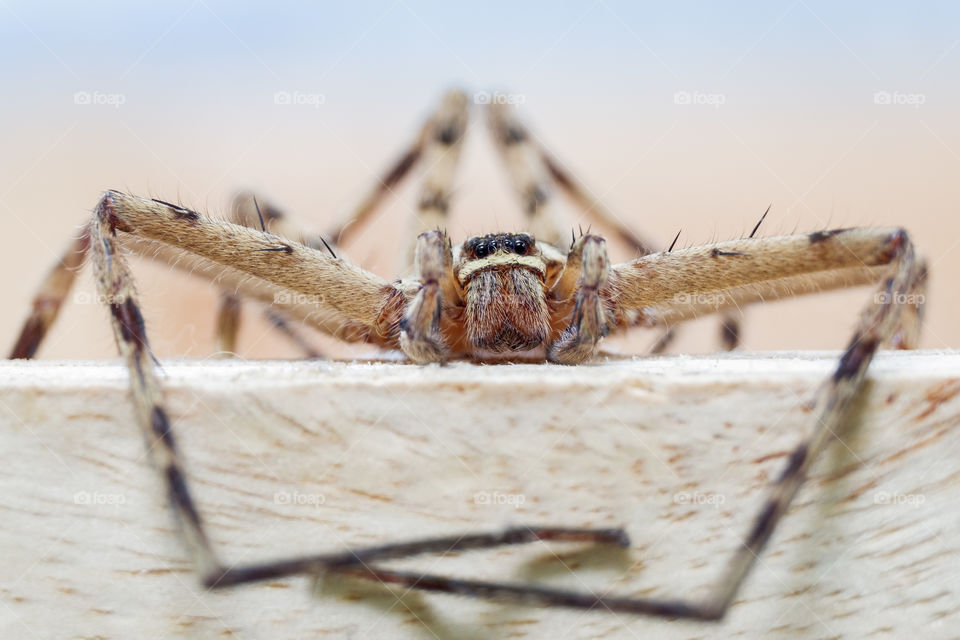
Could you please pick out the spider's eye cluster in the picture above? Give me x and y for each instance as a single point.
(520, 245)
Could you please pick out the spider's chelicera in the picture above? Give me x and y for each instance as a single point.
(543, 292)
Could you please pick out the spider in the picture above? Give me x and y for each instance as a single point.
(537, 293)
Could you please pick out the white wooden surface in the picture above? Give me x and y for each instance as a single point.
(287, 457)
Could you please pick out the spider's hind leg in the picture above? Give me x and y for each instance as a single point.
(537, 174)
(444, 135)
(50, 298)
(436, 148)
(531, 179)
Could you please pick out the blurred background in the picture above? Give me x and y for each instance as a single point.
(681, 116)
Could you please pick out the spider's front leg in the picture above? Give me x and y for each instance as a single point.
(586, 272)
(247, 211)
(420, 336)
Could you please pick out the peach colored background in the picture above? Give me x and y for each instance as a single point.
(784, 111)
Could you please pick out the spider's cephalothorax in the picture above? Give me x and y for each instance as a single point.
(502, 277)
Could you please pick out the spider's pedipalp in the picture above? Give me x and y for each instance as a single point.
(588, 324)
(420, 329)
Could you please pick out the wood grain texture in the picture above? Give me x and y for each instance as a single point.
(287, 457)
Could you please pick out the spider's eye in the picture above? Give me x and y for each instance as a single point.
(520, 246)
(481, 250)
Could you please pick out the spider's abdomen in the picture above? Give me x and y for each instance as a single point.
(506, 310)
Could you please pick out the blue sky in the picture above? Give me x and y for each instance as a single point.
(404, 47)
